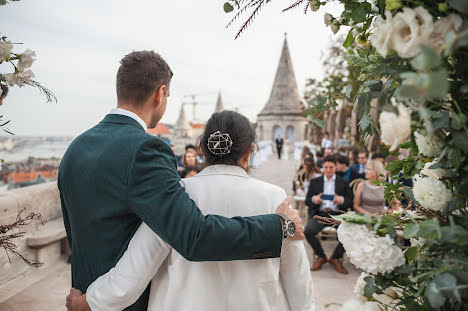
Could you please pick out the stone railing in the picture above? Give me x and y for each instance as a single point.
(45, 242)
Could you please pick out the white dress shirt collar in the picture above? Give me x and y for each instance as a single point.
(223, 169)
(325, 179)
(129, 114)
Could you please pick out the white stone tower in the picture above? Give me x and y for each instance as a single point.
(182, 127)
(219, 103)
(282, 113)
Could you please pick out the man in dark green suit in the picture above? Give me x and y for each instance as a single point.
(115, 175)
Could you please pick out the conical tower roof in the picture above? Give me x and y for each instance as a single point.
(182, 120)
(284, 97)
(219, 103)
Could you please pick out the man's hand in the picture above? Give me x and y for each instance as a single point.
(76, 301)
(292, 214)
(337, 200)
(317, 199)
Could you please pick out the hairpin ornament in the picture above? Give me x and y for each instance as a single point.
(219, 144)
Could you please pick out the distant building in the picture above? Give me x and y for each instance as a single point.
(283, 113)
(161, 130)
(219, 103)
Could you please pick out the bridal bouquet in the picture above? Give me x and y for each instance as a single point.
(408, 60)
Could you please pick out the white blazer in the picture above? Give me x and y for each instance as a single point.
(280, 284)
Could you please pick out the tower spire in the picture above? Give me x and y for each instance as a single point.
(219, 103)
(284, 96)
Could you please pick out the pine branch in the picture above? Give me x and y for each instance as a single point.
(251, 18)
(248, 5)
(306, 7)
(294, 5)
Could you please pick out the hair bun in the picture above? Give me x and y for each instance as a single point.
(219, 144)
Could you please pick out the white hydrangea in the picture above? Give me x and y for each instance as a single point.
(396, 129)
(5, 50)
(437, 173)
(431, 193)
(429, 144)
(26, 59)
(381, 38)
(360, 284)
(355, 304)
(442, 27)
(19, 78)
(367, 251)
(412, 27)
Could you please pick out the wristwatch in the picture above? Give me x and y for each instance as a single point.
(289, 228)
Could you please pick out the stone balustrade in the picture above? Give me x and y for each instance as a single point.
(44, 241)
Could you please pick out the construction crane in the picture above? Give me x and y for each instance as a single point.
(195, 103)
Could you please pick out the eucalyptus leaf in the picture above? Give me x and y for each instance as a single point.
(410, 254)
(434, 295)
(460, 140)
(442, 121)
(410, 230)
(228, 7)
(427, 59)
(429, 229)
(459, 5)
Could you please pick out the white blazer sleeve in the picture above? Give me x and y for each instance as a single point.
(124, 284)
(296, 276)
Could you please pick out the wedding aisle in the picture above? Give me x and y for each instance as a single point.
(330, 286)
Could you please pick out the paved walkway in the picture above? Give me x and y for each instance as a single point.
(330, 287)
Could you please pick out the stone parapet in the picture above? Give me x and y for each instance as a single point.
(43, 241)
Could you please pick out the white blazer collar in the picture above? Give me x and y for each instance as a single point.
(223, 169)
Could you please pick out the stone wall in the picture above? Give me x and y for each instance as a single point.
(43, 199)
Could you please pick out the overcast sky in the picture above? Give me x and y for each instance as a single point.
(79, 45)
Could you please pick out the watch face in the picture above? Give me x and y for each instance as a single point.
(291, 228)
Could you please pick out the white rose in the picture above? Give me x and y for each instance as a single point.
(429, 144)
(381, 38)
(431, 193)
(355, 304)
(26, 59)
(437, 173)
(442, 27)
(328, 19)
(5, 50)
(19, 78)
(396, 129)
(367, 251)
(412, 27)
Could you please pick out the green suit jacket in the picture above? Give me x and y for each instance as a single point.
(114, 176)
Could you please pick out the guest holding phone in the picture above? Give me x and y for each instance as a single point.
(327, 195)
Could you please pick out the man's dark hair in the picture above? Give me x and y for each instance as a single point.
(140, 74)
(377, 156)
(240, 131)
(363, 151)
(4, 91)
(329, 158)
(342, 159)
(319, 153)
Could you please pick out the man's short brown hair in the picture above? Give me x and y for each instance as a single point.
(140, 74)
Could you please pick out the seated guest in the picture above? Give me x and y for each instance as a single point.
(327, 195)
(379, 157)
(343, 169)
(319, 155)
(189, 172)
(359, 167)
(369, 198)
(305, 151)
(328, 152)
(303, 177)
(189, 159)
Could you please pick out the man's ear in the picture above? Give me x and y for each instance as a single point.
(159, 94)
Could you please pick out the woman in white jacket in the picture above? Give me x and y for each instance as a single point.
(223, 188)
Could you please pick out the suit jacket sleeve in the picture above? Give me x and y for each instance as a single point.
(66, 220)
(156, 196)
(347, 196)
(123, 284)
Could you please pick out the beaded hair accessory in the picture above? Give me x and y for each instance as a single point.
(219, 144)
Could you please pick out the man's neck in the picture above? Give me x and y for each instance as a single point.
(329, 177)
(145, 116)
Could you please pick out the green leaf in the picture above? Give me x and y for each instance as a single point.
(459, 5)
(396, 165)
(460, 140)
(434, 296)
(359, 14)
(374, 85)
(411, 253)
(410, 230)
(349, 39)
(228, 7)
(458, 121)
(365, 122)
(349, 90)
(426, 60)
(442, 121)
(429, 229)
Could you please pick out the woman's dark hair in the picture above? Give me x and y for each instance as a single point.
(342, 160)
(187, 170)
(310, 166)
(240, 131)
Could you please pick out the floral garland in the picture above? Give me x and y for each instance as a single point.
(411, 58)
